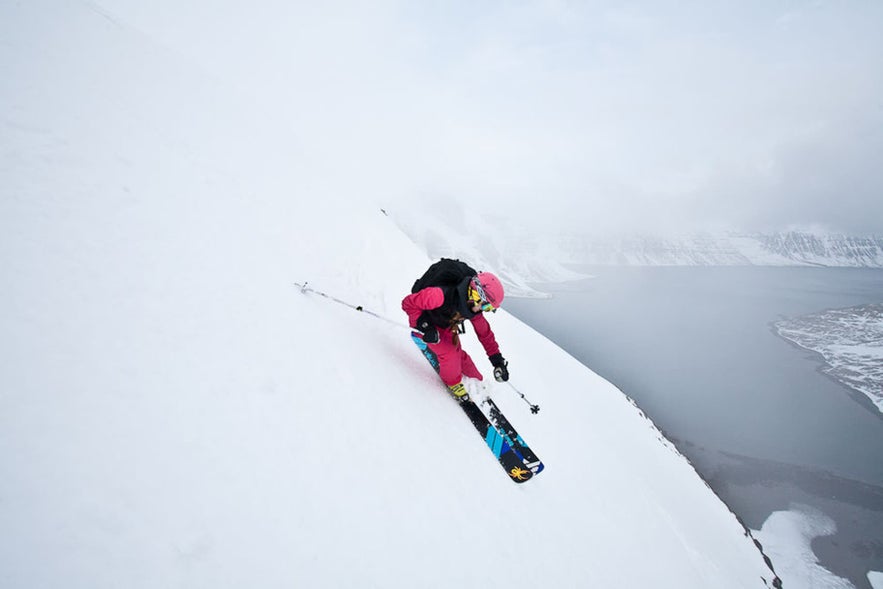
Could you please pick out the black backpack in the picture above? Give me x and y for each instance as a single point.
(445, 272)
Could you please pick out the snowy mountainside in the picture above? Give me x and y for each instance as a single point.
(655, 251)
(824, 250)
(758, 249)
(173, 412)
(487, 241)
(529, 256)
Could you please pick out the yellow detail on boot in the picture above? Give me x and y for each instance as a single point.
(458, 390)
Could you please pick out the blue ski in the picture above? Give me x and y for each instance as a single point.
(519, 445)
(497, 441)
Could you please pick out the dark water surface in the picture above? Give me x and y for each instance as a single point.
(695, 348)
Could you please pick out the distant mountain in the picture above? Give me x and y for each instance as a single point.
(755, 249)
(824, 250)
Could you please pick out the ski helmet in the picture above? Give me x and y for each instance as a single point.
(490, 287)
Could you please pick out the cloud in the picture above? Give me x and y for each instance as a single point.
(647, 115)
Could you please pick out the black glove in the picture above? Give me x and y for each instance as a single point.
(501, 373)
(430, 331)
(430, 336)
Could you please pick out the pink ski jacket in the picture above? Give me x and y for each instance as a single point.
(433, 297)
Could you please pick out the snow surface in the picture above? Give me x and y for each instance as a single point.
(787, 536)
(174, 412)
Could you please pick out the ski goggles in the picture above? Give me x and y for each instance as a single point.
(478, 296)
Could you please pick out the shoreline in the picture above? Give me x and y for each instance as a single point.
(752, 486)
(829, 366)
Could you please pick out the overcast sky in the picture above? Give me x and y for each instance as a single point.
(635, 116)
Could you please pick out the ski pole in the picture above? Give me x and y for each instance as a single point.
(533, 408)
(304, 288)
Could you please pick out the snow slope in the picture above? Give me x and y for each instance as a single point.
(173, 412)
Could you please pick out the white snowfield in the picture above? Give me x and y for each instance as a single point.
(175, 413)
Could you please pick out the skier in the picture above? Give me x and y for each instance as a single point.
(449, 293)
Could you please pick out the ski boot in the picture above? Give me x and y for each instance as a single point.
(459, 392)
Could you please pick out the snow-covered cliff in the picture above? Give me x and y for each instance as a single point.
(823, 250)
(759, 249)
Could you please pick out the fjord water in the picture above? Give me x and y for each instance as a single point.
(695, 348)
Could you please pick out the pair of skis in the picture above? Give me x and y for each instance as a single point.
(507, 446)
